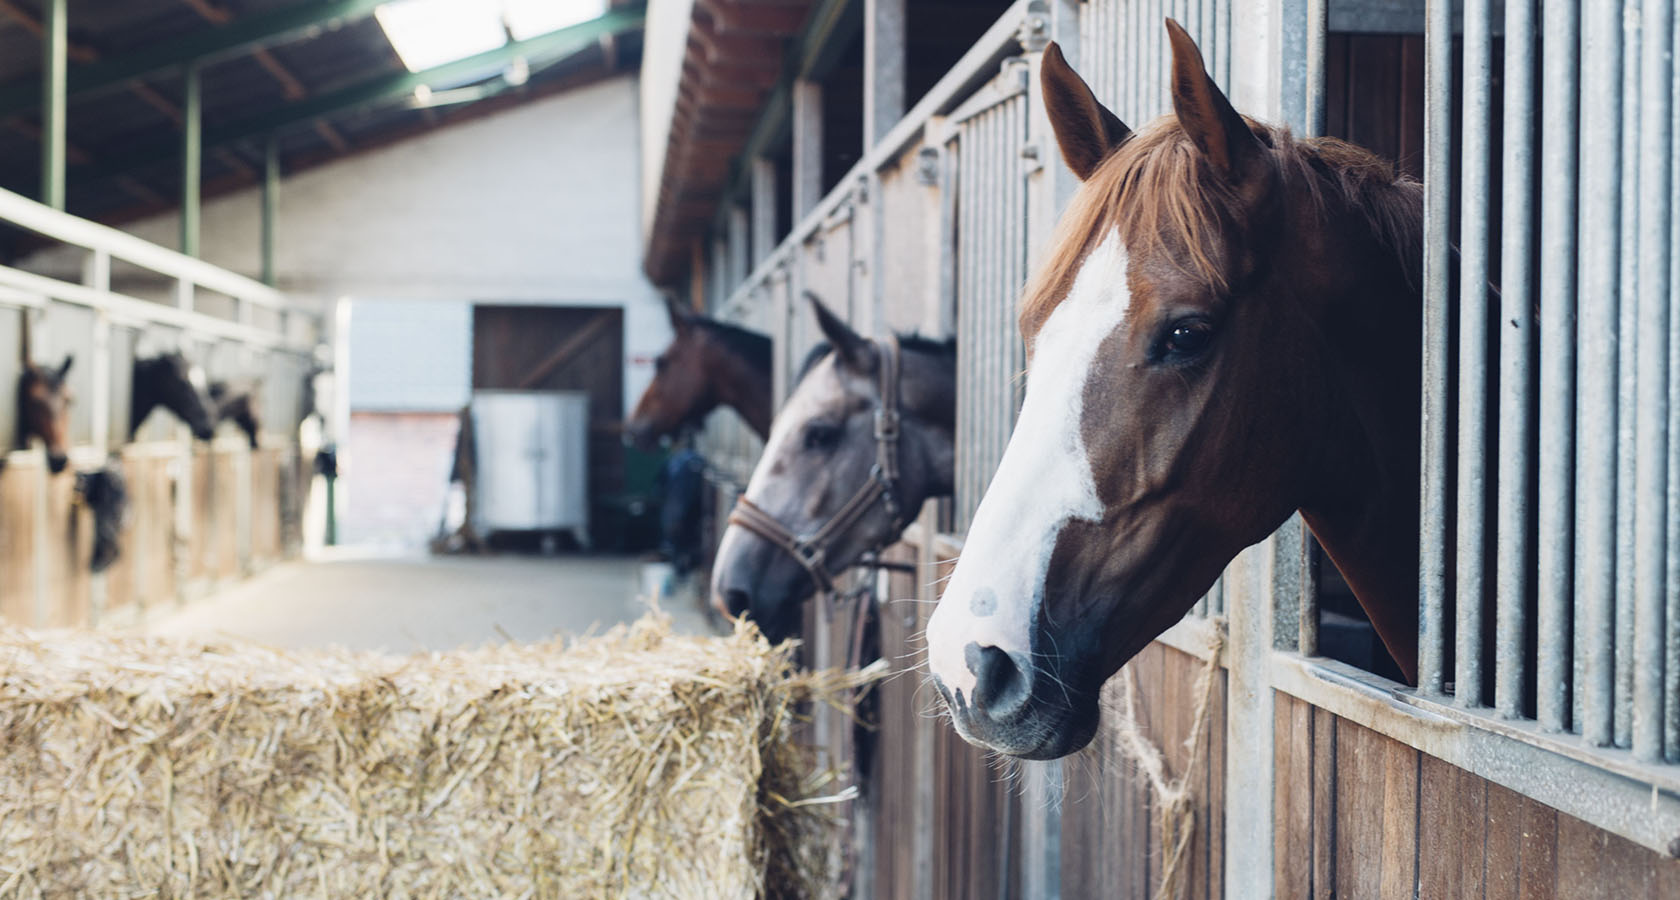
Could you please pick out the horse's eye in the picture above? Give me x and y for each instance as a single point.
(821, 436)
(659, 363)
(1186, 339)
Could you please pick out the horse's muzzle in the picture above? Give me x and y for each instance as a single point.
(1018, 709)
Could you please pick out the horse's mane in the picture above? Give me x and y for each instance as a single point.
(911, 343)
(749, 345)
(1157, 188)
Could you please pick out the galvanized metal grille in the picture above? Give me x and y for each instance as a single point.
(1551, 469)
(984, 154)
(1125, 58)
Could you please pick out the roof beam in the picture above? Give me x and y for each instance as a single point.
(217, 14)
(331, 136)
(204, 45)
(32, 23)
(556, 44)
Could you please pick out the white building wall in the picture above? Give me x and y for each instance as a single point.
(536, 204)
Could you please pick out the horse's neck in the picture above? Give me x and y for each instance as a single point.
(931, 398)
(1364, 509)
(743, 384)
(142, 396)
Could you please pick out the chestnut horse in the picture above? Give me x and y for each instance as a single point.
(43, 404)
(708, 363)
(1226, 330)
(866, 436)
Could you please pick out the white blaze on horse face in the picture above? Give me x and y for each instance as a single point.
(1043, 482)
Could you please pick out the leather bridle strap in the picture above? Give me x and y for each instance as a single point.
(811, 551)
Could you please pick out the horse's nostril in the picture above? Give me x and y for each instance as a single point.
(1001, 686)
(736, 602)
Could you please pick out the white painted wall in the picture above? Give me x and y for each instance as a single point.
(536, 204)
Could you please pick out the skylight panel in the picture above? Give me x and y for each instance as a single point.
(529, 18)
(428, 33)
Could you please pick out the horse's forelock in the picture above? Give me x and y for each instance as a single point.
(1159, 192)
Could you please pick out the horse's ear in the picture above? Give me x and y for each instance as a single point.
(680, 315)
(1085, 130)
(1205, 114)
(65, 369)
(853, 349)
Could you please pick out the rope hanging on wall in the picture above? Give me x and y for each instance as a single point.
(1173, 798)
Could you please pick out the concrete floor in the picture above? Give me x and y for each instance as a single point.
(409, 603)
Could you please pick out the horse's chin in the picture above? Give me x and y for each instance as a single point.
(1047, 731)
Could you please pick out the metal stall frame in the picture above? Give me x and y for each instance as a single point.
(262, 318)
(1626, 790)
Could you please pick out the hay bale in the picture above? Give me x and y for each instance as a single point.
(635, 764)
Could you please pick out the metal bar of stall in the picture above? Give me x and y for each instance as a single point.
(1318, 35)
(1671, 685)
(1516, 362)
(1437, 289)
(1651, 434)
(1626, 488)
(1555, 553)
(1472, 349)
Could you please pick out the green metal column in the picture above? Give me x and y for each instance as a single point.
(270, 205)
(192, 156)
(54, 53)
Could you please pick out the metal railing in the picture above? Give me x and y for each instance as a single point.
(1550, 598)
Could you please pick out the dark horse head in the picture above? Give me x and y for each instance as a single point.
(44, 410)
(708, 363)
(169, 381)
(1225, 330)
(239, 406)
(822, 455)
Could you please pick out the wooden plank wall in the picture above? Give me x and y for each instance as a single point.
(157, 565)
(1360, 815)
(945, 816)
(1111, 839)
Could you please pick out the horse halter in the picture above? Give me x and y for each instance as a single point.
(811, 551)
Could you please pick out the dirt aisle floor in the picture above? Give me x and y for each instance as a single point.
(403, 604)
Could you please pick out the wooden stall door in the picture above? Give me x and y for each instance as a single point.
(549, 348)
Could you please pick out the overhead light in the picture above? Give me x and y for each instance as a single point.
(430, 33)
(529, 18)
(518, 72)
(422, 94)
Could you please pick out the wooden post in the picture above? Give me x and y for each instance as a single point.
(807, 147)
(883, 68)
(54, 52)
(763, 209)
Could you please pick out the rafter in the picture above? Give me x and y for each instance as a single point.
(81, 53)
(216, 14)
(156, 100)
(32, 131)
(290, 87)
(555, 45)
(207, 44)
(331, 136)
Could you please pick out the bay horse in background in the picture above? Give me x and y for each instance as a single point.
(239, 406)
(43, 409)
(169, 381)
(1225, 330)
(867, 436)
(708, 363)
